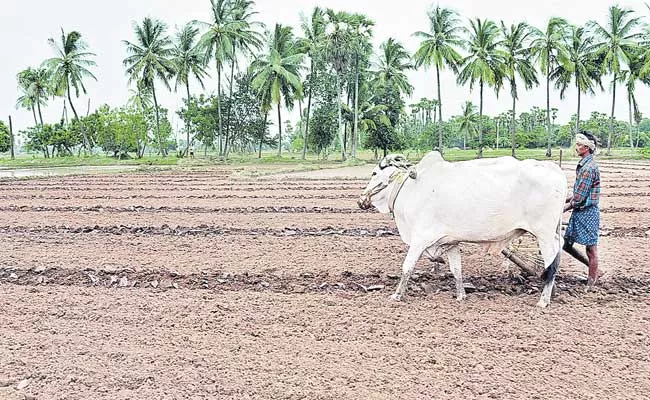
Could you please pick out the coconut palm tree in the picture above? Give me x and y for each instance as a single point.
(149, 58)
(517, 62)
(483, 65)
(35, 84)
(438, 48)
(549, 50)
(188, 61)
(468, 121)
(393, 61)
(70, 66)
(582, 67)
(630, 76)
(246, 40)
(276, 76)
(618, 38)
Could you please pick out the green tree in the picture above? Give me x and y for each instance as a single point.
(468, 122)
(276, 76)
(484, 64)
(246, 39)
(188, 61)
(438, 49)
(5, 137)
(549, 50)
(313, 30)
(630, 76)
(35, 85)
(70, 67)
(582, 67)
(150, 59)
(517, 62)
(618, 40)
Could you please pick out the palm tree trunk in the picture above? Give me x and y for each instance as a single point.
(302, 126)
(440, 111)
(40, 115)
(480, 122)
(11, 133)
(219, 106)
(465, 141)
(548, 107)
(155, 102)
(498, 122)
(187, 124)
(232, 77)
(259, 153)
(513, 130)
(74, 111)
(577, 115)
(629, 106)
(76, 117)
(355, 137)
(340, 117)
(34, 114)
(279, 132)
(611, 119)
(311, 80)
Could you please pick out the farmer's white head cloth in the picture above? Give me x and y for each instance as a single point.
(583, 140)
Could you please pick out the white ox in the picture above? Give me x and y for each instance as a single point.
(437, 205)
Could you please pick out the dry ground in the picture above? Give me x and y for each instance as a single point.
(207, 284)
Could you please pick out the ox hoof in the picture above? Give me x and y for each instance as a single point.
(542, 304)
(396, 297)
(461, 297)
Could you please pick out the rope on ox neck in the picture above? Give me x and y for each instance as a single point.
(400, 177)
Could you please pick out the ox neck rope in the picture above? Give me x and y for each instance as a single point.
(400, 178)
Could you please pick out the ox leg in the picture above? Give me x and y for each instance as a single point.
(551, 254)
(453, 254)
(412, 257)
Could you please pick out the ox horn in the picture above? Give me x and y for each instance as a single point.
(395, 160)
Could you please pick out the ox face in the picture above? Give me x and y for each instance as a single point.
(374, 193)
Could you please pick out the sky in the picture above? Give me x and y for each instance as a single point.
(27, 25)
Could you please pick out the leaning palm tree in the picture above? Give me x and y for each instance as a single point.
(36, 85)
(150, 59)
(549, 50)
(314, 32)
(188, 61)
(618, 39)
(630, 76)
(516, 43)
(276, 76)
(438, 48)
(484, 64)
(582, 67)
(70, 66)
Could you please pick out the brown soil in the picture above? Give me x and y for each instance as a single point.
(213, 284)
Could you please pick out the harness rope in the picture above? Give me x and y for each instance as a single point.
(400, 177)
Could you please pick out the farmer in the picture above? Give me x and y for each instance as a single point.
(585, 217)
